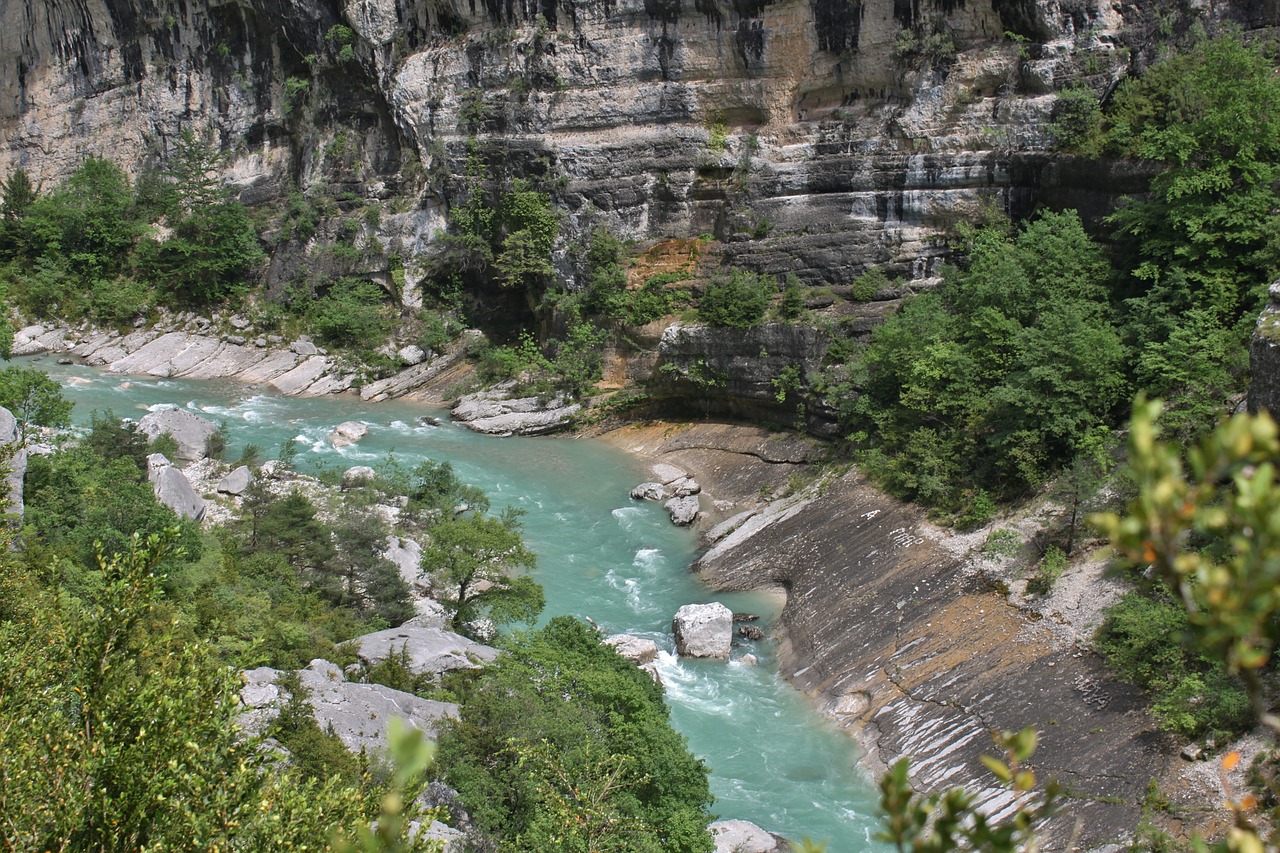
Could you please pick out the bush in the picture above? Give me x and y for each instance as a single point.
(1144, 639)
(354, 314)
(1076, 125)
(866, 286)
(737, 301)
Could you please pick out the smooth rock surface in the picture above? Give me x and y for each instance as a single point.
(430, 651)
(189, 430)
(173, 489)
(348, 432)
(237, 482)
(357, 475)
(704, 630)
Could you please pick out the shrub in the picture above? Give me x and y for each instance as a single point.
(737, 301)
(353, 313)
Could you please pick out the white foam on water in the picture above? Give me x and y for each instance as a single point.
(648, 558)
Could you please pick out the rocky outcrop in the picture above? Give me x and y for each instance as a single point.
(173, 489)
(16, 466)
(426, 651)
(190, 431)
(740, 836)
(1264, 358)
(359, 714)
(495, 412)
(704, 630)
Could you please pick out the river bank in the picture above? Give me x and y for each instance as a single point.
(889, 626)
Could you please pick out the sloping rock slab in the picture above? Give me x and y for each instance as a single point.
(359, 714)
(17, 464)
(431, 651)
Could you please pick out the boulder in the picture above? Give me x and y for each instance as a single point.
(649, 492)
(638, 650)
(303, 347)
(495, 413)
(683, 511)
(237, 482)
(704, 630)
(17, 463)
(740, 836)
(357, 475)
(667, 474)
(750, 632)
(430, 651)
(173, 489)
(686, 487)
(359, 714)
(348, 432)
(411, 355)
(188, 429)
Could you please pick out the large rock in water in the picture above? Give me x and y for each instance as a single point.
(704, 630)
(173, 489)
(17, 464)
(428, 651)
(188, 429)
(359, 714)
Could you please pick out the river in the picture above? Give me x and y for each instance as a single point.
(774, 760)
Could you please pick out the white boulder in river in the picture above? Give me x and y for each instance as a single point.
(189, 430)
(348, 432)
(173, 489)
(704, 630)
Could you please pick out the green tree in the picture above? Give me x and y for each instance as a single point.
(737, 301)
(34, 399)
(561, 734)
(472, 560)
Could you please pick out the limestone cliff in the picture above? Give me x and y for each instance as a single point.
(815, 136)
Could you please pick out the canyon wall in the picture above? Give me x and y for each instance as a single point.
(809, 136)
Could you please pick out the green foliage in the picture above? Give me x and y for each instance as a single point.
(940, 822)
(738, 300)
(473, 560)
(317, 755)
(1051, 567)
(1208, 529)
(568, 740)
(995, 380)
(1145, 640)
(295, 90)
(793, 298)
(1077, 122)
(354, 313)
(207, 256)
(1207, 239)
(34, 399)
(866, 286)
(1004, 542)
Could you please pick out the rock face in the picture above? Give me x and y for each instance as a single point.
(359, 714)
(428, 651)
(704, 630)
(173, 489)
(813, 137)
(496, 413)
(17, 465)
(189, 430)
(893, 637)
(1264, 358)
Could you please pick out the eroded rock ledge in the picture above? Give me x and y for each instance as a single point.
(894, 634)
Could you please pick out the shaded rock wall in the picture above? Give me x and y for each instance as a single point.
(1264, 358)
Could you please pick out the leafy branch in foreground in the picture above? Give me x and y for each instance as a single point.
(937, 822)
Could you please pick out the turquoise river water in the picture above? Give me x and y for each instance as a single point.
(773, 759)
